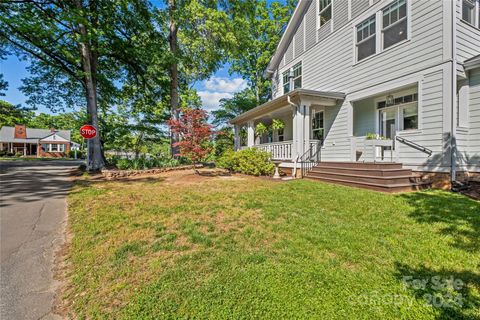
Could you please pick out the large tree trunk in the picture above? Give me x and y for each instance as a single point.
(174, 100)
(95, 156)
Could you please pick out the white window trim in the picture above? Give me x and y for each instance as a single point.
(312, 116)
(398, 129)
(378, 31)
(319, 26)
(476, 15)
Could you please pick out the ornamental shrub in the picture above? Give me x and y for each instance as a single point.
(247, 161)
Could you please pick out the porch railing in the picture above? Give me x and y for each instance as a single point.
(278, 150)
(373, 150)
(311, 157)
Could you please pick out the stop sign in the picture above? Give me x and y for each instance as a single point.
(88, 131)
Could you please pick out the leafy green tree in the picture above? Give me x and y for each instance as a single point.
(200, 35)
(10, 115)
(64, 121)
(259, 27)
(230, 108)
(83, 51)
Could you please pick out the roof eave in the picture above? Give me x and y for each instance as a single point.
(287, 35)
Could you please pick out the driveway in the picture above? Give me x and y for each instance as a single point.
(32, 224)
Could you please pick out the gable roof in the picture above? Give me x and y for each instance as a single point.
(7, 134)
(288, 34)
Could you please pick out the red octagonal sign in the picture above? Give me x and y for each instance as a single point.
(88, 131)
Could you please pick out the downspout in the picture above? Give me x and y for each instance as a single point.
(453, 138)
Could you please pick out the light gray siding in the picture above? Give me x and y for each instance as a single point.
(363, 117)
(299, 41)
(330, 66)
(289, 53)
(358, 6)
(468, 38)
(310, 19)
(325, 31)
(340, 13)
(474, 120)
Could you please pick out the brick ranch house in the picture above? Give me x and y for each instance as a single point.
(40, 143)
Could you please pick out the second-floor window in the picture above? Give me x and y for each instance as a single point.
(471, 12)
(394, 26)
(297, 76)
(296, 73)
(325, 11)
(286, 81)
(366, 42)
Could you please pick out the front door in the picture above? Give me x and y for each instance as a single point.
(388, 123)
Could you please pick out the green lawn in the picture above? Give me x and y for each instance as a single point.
(242, 247)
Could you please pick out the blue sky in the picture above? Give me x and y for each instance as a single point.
(220, 85)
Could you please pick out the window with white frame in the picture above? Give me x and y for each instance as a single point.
(296, 73)
(398, 113)
(297, 76)
(280, 135)
(286, 81)
(471, 12)
(325, 11)
(468, 11)
(366, 41)
(394, 23)
(318, 128)
(53, 147)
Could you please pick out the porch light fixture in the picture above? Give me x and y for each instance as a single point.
(390, 100)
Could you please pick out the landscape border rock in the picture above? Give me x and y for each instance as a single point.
(112, 174)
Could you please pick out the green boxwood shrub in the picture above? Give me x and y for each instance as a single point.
(142, 163)
(247, 161)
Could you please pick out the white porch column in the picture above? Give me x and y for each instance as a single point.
(250, 134)
(294, 133)
(306, 126)
(24, 149)
(236, 137)
(300, 130)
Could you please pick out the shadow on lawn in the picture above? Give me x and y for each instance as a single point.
(460, 215)
(450, 292)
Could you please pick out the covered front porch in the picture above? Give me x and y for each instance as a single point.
(289, 126)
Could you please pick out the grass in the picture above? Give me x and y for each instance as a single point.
(245, 247)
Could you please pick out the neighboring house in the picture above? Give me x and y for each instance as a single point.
(49, 143)
(406, 70)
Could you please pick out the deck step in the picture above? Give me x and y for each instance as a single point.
(397, 187)
(389, 172)
(364, 165)
(386, 177)
(367, 178)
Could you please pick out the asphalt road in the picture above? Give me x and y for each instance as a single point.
(32, 224)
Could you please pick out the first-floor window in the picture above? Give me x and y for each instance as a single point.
(280, 135)
(318, 125)
(54, 147)
(409, 117)
(400, 113)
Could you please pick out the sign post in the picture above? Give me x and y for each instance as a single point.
(88, 132)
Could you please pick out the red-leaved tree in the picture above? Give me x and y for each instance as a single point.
(195, 134)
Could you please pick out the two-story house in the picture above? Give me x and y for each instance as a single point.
(393, 82)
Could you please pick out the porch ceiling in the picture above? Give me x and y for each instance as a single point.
(325, 98)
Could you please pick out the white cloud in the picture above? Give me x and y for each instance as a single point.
(211, 100)
(225, 84)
